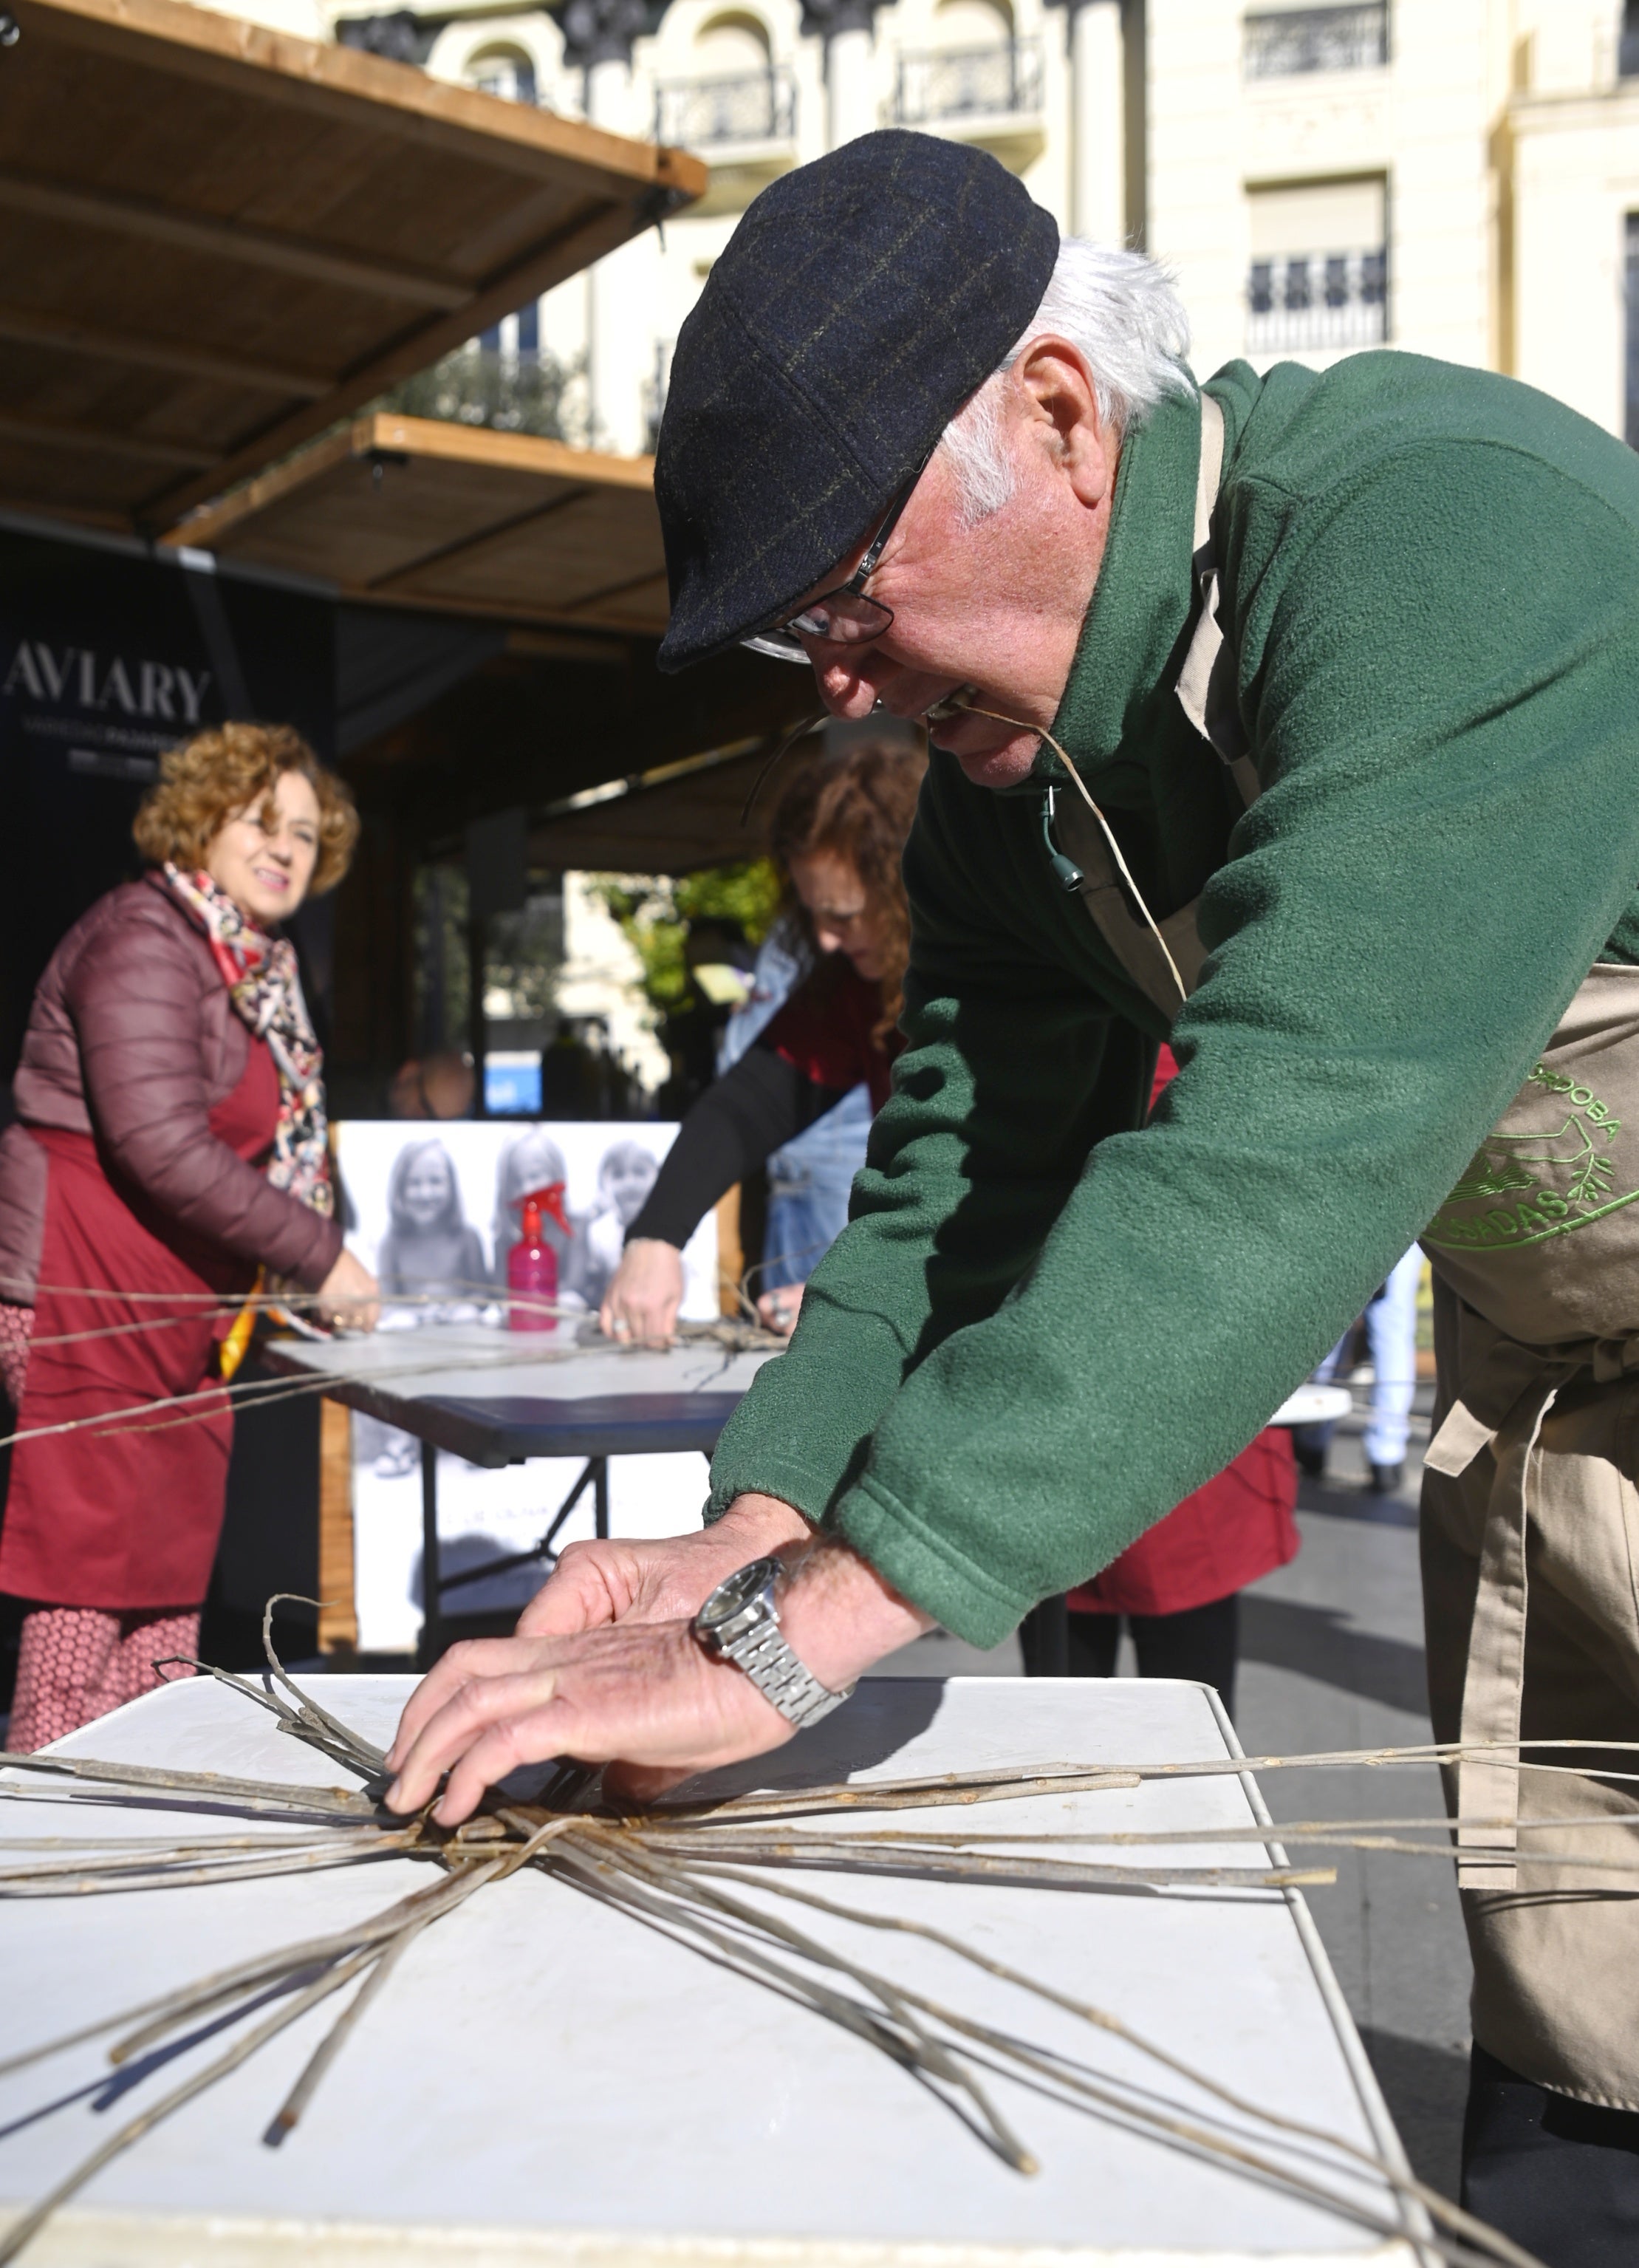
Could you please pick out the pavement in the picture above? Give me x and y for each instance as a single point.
(1332, 1658)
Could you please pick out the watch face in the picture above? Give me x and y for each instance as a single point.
(735, 1595)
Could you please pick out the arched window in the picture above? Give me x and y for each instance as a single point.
(972, 24)
(506, 72)
(731, 45)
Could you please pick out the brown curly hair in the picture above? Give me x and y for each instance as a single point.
(858, 806)
(216, 775)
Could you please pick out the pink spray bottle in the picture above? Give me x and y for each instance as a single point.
(531, 1265)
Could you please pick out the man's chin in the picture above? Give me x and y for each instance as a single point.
(1003, 767)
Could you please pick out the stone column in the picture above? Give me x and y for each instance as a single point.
(846, 27)
(597, 34)
(1097, 165)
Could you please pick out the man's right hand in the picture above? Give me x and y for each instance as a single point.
(667, 1580)
(644, 1293)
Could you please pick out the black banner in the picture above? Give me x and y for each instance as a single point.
(107, 658)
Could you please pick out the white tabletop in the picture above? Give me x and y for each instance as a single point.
(543, 2079)
(481, 1362)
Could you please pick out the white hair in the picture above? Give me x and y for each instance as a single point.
(1124, 315)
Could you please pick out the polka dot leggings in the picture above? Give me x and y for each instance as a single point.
(75, 1663)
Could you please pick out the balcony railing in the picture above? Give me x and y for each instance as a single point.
(1277, 46)
(954, 83)
(712, 114)
(1313, 301)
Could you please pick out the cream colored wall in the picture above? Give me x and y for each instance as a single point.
(1509, 148)
(1575, 179)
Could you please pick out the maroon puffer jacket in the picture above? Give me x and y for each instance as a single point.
(133, 1038)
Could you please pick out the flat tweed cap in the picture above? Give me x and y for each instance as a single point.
(859, 303)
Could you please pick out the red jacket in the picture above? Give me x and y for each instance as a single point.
(133, 1038)
(1236, 1528)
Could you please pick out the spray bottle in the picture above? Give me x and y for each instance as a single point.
(531, 1265)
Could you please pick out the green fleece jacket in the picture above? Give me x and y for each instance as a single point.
(1048, 1321)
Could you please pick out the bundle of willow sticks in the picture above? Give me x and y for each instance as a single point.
(714, 1877)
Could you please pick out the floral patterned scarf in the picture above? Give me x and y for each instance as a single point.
(259, 973)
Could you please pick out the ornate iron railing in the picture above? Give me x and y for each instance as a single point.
(1316, 300)
(997, 82)
(1278, 45)
(709, 114)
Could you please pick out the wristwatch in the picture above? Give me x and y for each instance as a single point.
(740, 1623)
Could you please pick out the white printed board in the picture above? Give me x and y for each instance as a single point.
(432, 1209)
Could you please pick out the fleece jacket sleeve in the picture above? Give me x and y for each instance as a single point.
(1439, 665)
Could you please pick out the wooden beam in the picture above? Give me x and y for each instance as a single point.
(229, 240)
(584, 238)
(363, 90)
(203, 530)
(338, 1617)
(479, 540)
(481, 445)
(56, 433)
(29, 328)
(439, 438)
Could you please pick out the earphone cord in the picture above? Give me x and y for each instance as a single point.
(1041, 734)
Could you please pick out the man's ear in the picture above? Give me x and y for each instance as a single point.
(1061, 405)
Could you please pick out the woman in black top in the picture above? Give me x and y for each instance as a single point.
(837, 835)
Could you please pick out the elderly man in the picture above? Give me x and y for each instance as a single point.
(1298, 719)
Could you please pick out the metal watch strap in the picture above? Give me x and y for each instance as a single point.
(765, 1656)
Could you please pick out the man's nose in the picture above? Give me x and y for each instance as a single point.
(845, 692)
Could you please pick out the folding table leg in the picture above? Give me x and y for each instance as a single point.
(431, 1577)
(600, 1496)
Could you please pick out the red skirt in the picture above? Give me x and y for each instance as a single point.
(1236, 1528)
(129, 1517)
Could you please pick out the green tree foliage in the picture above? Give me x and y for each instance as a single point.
(654, 913)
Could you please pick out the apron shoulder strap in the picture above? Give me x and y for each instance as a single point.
(1206, 684)
(1164, 960)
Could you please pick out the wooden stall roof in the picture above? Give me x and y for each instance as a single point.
(216, 240)
(667, 821)
(412, 511)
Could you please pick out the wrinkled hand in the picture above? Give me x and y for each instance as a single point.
(667, 1580)
(780, 1309)
(644, 1293)
(351, 1294)
(647, 1695)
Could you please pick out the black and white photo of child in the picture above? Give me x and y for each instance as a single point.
(626, 1172)
(430, 1253)
(430, 1249)
(532, 1161)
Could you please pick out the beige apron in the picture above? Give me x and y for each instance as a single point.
(1529, 1501)
(1529, 1489)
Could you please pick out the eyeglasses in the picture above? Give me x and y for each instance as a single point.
(844, 616)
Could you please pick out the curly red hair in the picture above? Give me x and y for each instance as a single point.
(221, 773)
(858, 806)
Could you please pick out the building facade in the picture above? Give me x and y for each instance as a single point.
(1457, 178)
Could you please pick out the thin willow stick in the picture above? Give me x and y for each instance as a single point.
(430, 1905)
(1050, 1874)
(910, 2044)
(31, 2221)
(1105, 2020)
(325, 2054)
(213, 1787)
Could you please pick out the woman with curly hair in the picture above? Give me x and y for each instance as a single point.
(171, 1143)
(838, 835)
